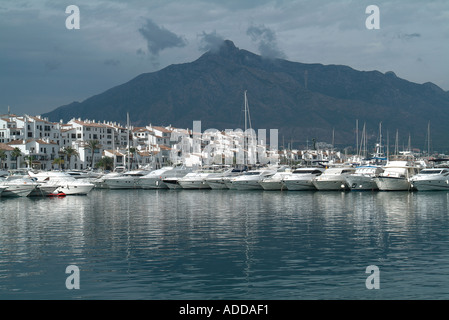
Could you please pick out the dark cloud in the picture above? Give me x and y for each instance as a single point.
(158, 38)
(267, 41)
(210, 41)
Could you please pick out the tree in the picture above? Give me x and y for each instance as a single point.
(105, 163)
(29, 160)
(16, 153)
(2, 157)
(132, 154)
(70, 152)
(92, 145)
(58, 161)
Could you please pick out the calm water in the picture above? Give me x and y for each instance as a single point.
(143, 244)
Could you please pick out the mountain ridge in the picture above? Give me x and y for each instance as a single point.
(303, 101)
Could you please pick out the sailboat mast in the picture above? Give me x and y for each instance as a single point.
(127, 125)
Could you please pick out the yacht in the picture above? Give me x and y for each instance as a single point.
(60, 182)
(127, 180)
(153, 180)
(171, 177)
(301, 178)
(363, 178)
(431, 179)
(333, 178)
(100, 182)
(219, 181)
(396, 176)
(2, 188)
(250, 179)
(275, 182)
(18, 186)
(197, 179)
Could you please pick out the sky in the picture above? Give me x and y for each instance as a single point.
(46, 63)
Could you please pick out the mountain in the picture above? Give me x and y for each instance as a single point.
(303, 101)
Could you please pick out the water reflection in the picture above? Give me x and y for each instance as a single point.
(203, 244)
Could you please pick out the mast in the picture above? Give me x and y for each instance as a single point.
(357, 134)
(127, 125)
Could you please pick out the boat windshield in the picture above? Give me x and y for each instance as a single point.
(428, 171)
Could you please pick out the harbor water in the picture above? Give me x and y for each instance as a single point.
(225, 244)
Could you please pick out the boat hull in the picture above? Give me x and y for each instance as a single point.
(18, 190)
(330, 185)
(431, 185)
(193, 184)
(393, 184)
(246, 185)
(299, 185)
(153, 183)
(361, 183)
(217, 184)
(272, 185)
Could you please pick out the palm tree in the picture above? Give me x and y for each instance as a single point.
(92, 145)
(2, 157)
(29, 160)
(69, 152)
(106, 163)
(132, 153)
(16, 153)
(59, 162)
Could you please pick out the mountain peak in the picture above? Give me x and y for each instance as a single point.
(227, 48)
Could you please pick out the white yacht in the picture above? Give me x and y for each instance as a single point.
(2, 188)
(219, 181)
(100, 182)
(396, 176)
(61, 182)
(431, 179)
(363, 178)
(333, 178)
(153, 180)
(127, 180)
(250, 179)
(197, 179)
(17, 186)
(275, 182)
(301, 178)
(171, 177)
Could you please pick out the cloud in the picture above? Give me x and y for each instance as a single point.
(267, 41)
(158, 38)
(210, 41)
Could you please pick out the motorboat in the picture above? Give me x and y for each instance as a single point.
(219, 181)
(127, 180)
(275, 182)
(301, 178)
(153, 180)
(333, 178)
(250, 179)
(17, 186)
(2, 188)
(363, 178)
(171, 177)
(396, 176)
(197, 179)
(431, 179)
(100, 182)
(61, 182)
